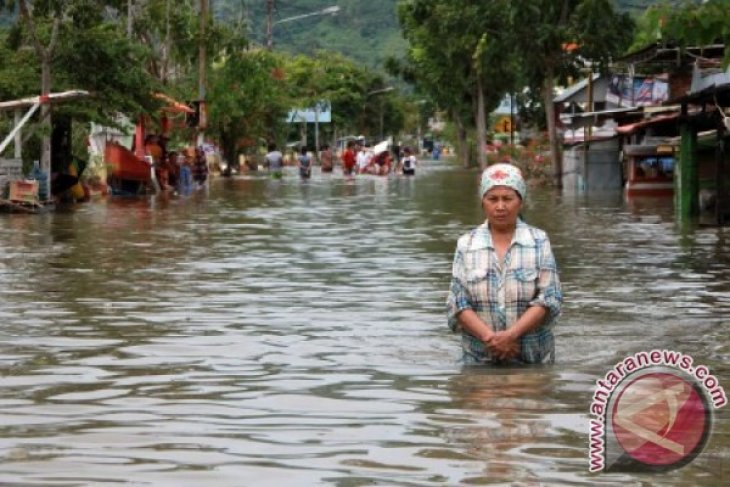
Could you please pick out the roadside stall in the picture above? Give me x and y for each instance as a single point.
(29, 191)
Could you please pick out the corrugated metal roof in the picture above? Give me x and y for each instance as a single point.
(702, 82)
(574, 89)
(632, 127)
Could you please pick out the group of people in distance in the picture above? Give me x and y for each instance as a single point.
(176, 170)
(357, 158)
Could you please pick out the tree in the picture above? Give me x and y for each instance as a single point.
(169, 30)
(19, 74)
(437, 68)
(346, 84)
(458, 57)
(77, 47)
(247, 100)
(543, 28)
(692, 24)
(42, 25)
(494, 74)
(361, 99)
(101, 60)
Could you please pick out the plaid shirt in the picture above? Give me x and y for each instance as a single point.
(501, 292)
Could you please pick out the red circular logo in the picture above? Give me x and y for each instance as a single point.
(660, 420)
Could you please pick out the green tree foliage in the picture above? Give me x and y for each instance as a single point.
(247, 100)
(551, 37)
(170, 30)
(251, 92)
(91, 54)
(467, 54)
(360, 97)
(365, 31)
(459, 56)
(101, 60)
(46, 28)
(122, 61)
(19, 73)
(691, 24)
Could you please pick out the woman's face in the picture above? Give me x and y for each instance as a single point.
(502, 206)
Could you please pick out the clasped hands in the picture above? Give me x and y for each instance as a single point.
(502, 345)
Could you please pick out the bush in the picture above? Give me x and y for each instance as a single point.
(533, 159)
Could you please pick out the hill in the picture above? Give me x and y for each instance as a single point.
(366, 31)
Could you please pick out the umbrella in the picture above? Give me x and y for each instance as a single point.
(381, 147)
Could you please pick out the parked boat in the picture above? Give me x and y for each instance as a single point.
(141, 167)
(129, 173)
(649, 169)
(124, 164)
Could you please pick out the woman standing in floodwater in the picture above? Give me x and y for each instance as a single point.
(505, 292)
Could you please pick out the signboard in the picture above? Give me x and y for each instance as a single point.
(503, 125)
(10, 170)
(320, 113)
(625, 91)
(505, 106)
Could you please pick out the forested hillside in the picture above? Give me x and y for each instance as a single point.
(365, 30)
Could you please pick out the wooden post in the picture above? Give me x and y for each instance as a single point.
(316, 132)
(720, 196)
(18, 136)
(512, 119)
(686, 181)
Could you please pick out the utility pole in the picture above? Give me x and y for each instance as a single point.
(130, 15)
(512, 119)
(269, 24)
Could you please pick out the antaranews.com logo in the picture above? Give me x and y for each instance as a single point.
(652, 412)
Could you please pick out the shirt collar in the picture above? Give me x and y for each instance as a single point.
(483, 238)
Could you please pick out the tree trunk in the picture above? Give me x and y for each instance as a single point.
(230, 154)
(45, 55)
(202, 66)
(47, 122)
(481, 124)
(168, 45)
(462, 147)
(555, 153)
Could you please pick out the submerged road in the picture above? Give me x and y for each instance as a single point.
(287, 332)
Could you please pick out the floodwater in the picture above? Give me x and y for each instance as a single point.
(292, 333)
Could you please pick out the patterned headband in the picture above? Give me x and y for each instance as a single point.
(503, 174)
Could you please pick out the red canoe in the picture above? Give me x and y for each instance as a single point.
(123, 164)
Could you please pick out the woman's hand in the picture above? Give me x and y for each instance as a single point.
(503, 345)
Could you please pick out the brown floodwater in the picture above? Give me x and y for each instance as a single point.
(287, 332)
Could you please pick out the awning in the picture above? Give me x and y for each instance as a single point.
(49, 98)
(633, 127)
(173, 105)
(583, 119)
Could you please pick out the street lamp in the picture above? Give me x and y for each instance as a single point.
(382, 115)
(382, 90)
(419, 106)
(270, 27)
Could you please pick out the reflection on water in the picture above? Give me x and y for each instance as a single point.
(287, 332)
